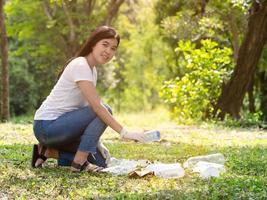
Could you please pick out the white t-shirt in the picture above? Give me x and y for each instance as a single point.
(66, 95)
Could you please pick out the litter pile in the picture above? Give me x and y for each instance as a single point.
(207, 166)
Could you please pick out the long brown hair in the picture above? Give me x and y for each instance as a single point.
(101, 32)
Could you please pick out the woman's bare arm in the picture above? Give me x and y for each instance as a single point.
(89, 92)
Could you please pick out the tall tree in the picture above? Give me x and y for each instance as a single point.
(4, 58)
(233, 92)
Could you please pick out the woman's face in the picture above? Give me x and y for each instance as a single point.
(104, 50)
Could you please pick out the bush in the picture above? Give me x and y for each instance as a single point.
(204, 69)
(23, 97)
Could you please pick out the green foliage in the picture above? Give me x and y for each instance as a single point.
(189, 23)
(34, 53)
(193, 95)
(23, 88)
(221, 21)
(185, 25)
(247, 120)
(241, 4)
(215, 22)
(167, 8)
(134, 78)
(39, 32)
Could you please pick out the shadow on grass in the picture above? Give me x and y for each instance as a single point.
(245, 176)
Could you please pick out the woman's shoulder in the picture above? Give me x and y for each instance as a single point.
(78, 60)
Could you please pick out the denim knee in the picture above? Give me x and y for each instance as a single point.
(108, 108)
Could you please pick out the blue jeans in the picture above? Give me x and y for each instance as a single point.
(80, 130)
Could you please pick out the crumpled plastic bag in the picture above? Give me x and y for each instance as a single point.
(207, 165)
(208, 169)
(123, 166)
(161, 170)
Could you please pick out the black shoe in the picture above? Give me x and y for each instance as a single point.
(36, 155)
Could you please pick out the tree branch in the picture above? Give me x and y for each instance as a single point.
(48, 10)
(89, 6)
(201, 7)
(72, 35)
(113, 8)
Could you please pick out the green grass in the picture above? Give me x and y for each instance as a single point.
(245, 151)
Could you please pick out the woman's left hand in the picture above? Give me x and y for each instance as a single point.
(104, 151)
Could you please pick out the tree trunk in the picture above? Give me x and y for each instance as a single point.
(200, 7)
(72, 38)
(113, 8)
(4, 58)
(89, 6)
(232, 23)
(233, 92)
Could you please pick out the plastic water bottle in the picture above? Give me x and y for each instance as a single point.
(152, 135)
(214, 158)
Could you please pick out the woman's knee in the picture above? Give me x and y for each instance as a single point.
(108, 108)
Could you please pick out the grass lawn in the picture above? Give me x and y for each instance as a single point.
(245, 151)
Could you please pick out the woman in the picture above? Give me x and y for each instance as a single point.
(70, 121)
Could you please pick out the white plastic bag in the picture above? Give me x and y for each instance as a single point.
(123, 166)
(208, 169)
(167, 170)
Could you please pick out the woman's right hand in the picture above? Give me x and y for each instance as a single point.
(133, 135)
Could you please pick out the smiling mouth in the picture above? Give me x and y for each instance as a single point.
(105, 57)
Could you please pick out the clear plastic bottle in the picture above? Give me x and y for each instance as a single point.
(152, 135)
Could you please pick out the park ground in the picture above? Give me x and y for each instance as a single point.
(245, 150)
